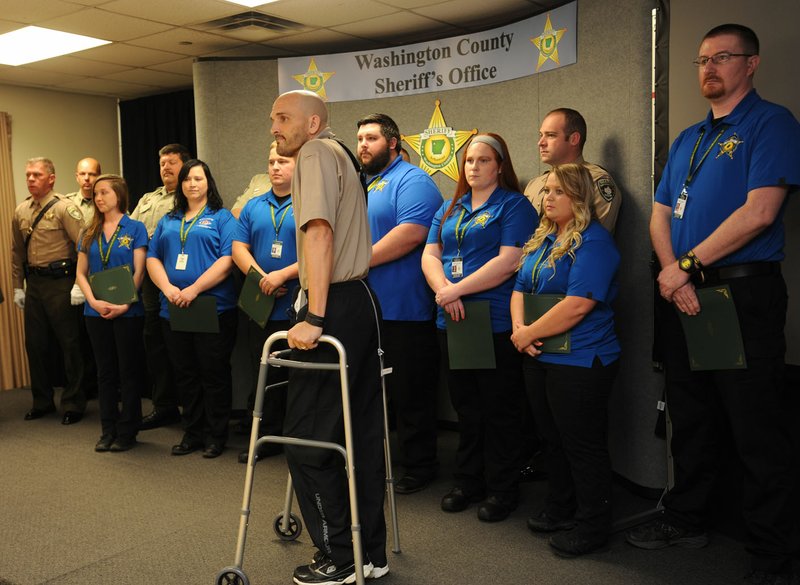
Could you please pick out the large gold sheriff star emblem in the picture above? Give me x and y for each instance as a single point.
(547, 43)
(729, 146)
(438, 144)
(314, 79)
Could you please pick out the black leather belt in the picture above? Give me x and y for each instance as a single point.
(55, 270)
(710, 275)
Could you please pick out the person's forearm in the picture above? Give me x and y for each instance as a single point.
(400, 240)
(318, 252)
(158, 274)
(661, 234)
(495, 272)
(214, 274)
(562, 317)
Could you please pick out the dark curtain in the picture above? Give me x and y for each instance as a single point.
(147, 124)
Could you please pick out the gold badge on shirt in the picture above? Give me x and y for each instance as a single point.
(125, 241)
(729, 146)
(482, 219)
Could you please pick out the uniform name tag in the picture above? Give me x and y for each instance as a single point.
(680, 204)
(457, 267)
(277, 249)
(182, 261)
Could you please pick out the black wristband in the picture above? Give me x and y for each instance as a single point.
(315, 320)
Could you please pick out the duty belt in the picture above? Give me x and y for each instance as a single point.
(723, 273)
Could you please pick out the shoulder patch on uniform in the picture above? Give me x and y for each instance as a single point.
(606, 187)
(74, 212)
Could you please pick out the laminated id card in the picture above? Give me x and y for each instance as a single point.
(277, 249)
(182, 261)
(680, 204)
(457, 267)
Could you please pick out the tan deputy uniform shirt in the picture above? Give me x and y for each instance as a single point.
(85, 205)
(607, 198)
(259, 185)
(326, 186)
(152, 207)
(54, 238)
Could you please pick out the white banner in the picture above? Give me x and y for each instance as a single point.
(537, 44)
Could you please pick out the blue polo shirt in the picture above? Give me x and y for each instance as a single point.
(506, 219)
(754, 146)
(132, 235)
(591, 275)
(209, 239)
(402, 193)
(264, 220)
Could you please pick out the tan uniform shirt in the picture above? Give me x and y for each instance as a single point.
(326, 186)
(85, 205)
(259, 185)
(53, 239)
(152, 207)
(607, 198)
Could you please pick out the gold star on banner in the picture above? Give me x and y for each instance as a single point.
(438, 144)
(547, 43)
(314, 79)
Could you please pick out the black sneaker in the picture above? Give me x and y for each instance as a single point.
(576, 542)
(370, 570)
(104, 444)
(660, 533)
(323, 571)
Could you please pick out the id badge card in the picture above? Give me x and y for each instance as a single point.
(457, 267)
(277, 249)
(182, 261)
(680, 204)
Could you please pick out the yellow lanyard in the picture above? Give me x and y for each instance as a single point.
(278, 225)
(184, 235)
(104, 258)
(692, 172)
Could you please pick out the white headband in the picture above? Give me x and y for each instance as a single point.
(491, 141)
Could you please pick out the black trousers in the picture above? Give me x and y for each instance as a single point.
(489, 408)
(314, 411)
(202, 365)
(159, 366)
(118, 353)
(275, 398)
(49, 313)
(570, 406)
(753, 402)
(411, 350)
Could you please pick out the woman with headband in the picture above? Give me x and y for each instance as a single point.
(472, 251)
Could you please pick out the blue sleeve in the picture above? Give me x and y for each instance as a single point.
(519, 222)
(433, 233)
(139, 234)
(770, 164)
(524, 281)
(155, 248)
(227, 225)
(593, 270)
(417, 202)
(664, 192)
(241, 232)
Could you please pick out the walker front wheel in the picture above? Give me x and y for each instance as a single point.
(293, 528)
(232, 576)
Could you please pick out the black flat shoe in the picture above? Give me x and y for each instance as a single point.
(268, 450)
(35, 413)
(104, 444)
(160, 418)
(123, 445)
(213, 451)
(408, 484)
(184, 448)
(71, 417)
(496, 508)
(457, 500)
(575, 543)
(544, 522)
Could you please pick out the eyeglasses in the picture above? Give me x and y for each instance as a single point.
(718, 59)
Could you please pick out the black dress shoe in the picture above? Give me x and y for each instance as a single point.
(532, 473)
(457, 499)
(408, 484)
(576, 542)
(268, 450)
(35, 413)
(123, 445)
(212, 451)
(71, 417)
(185, 447)
(544, 522)
(104, 444)
(160, 418)
(496, 508)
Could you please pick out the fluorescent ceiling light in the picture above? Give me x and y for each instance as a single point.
(251, 3)
(34, 43)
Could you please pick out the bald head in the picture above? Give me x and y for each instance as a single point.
(86, 173)
(297, 117)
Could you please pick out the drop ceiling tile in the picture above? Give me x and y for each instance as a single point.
(474, 13)
(327, 13)
(100, 23)
(181, 66)
(322, 40)
(175, 12)
(151, 77)
(396, 26)
(124, 54)
(201, 43)
(26, 76)
(254, 50)
(30, 11)
(76, 66)
(107, 87)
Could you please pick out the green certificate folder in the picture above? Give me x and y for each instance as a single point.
(114, 285)
(535, 307)
(470, 344)
(252, 300)
(713, 337)
(199, 317)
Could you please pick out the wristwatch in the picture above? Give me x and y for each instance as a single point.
(689, 263)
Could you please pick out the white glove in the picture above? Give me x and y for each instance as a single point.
(76, 296)
(19, 298)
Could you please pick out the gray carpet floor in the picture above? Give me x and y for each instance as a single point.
(70, 516)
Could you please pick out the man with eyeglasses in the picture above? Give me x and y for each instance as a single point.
(717, 220)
